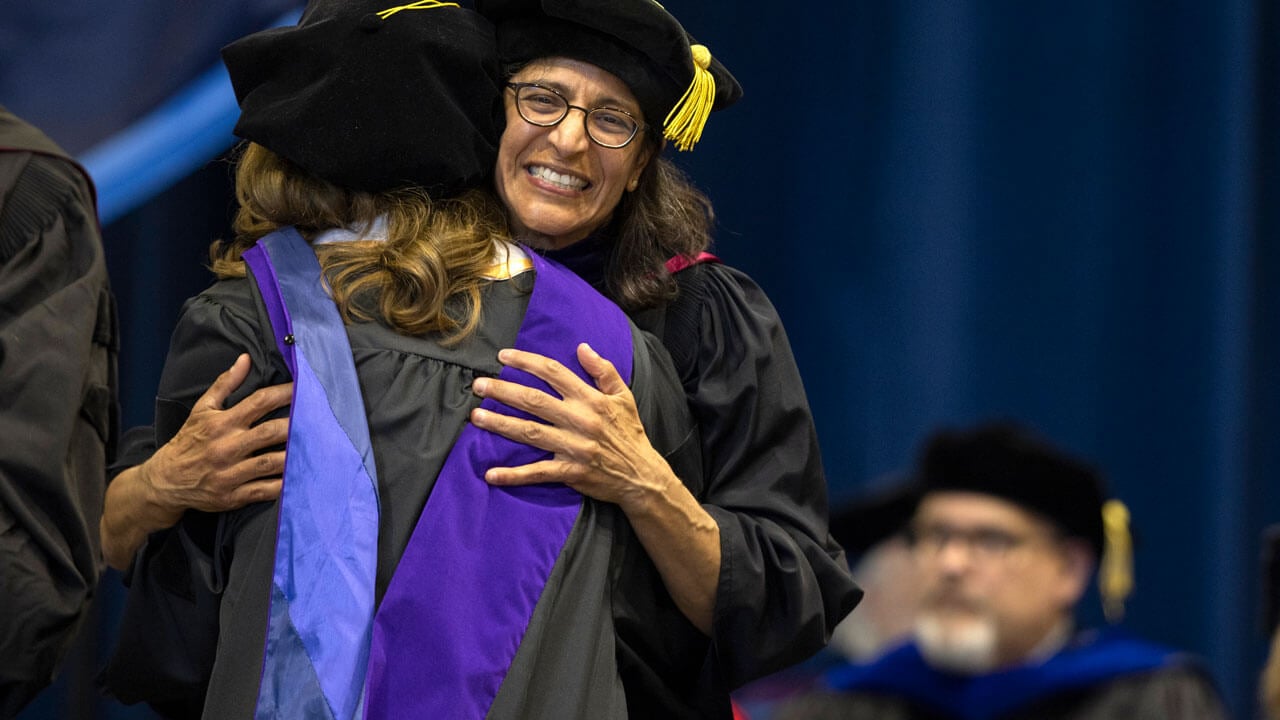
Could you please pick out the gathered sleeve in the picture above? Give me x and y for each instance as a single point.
(784, 583)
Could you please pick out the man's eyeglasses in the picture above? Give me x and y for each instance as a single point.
(544, 107)
(981, 543)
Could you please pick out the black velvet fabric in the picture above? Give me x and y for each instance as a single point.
(1011, 462)
(636, 40)
(370, 103)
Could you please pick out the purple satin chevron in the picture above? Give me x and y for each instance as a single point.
(465, 589)
(318, 633)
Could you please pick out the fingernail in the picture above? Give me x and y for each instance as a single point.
(504, 355)
(480, 385)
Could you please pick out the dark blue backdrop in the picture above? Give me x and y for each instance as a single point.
(1066, 213)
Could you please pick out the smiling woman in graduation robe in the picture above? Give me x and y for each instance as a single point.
(389, 580)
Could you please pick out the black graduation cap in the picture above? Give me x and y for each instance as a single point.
(371, 96)
(676, 80)
(1009, 461)
(874, 516)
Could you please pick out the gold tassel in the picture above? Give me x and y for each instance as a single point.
(1115, 577)
(420, 5)
(684, 123)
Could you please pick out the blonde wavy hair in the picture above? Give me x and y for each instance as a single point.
(425, 277)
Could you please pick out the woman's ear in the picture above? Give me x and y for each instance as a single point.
(647, 154)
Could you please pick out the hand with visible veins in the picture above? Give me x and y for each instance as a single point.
(600, 449)
(599, 444)
(214, 463)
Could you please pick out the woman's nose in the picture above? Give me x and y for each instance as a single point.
(570, 134)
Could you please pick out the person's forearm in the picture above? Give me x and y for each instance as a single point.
(130, 513)
(683, 540)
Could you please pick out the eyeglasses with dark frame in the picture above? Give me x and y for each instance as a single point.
(983, 543)
(546, 107)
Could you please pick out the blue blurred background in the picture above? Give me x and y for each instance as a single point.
(1067, 213)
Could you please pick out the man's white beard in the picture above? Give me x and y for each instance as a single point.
(966, 648)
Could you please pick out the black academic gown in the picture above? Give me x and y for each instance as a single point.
(58, 343)
(192, 636)
(784, 583)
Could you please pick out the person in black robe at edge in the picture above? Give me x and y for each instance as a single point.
(763, 582)
(352, 117)
(1006, 535)
(58, 412)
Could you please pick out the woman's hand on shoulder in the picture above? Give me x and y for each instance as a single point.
(601, 450)
(214, 463)
(595, 433)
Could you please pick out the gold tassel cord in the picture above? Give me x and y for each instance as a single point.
(684, 123)
(1115, 577)
(420, 5)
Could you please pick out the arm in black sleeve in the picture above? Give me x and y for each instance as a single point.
(169, 632)
(784, 583)
(661, 655)
(57, 405)
(137, 444)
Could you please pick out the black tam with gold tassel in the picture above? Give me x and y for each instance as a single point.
(676, 80)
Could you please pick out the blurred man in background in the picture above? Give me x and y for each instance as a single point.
(1006, 537)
